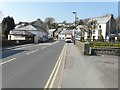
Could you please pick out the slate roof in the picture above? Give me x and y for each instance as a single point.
(35, 25)
(52, 30)
(40, 24)
(59, 30)
(66, 32)
(102, 19)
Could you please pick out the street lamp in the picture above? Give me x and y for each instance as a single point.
(75, 17)
(75, 26)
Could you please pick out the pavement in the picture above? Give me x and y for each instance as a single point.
(82, 71)
(29, 66)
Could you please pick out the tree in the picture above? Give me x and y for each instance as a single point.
(50, 22)
(7, 25)
(64, 22)
(80, 22)
(54, 25)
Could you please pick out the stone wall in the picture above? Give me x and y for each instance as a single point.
(83, 47)
(106, 51)
(87, 50)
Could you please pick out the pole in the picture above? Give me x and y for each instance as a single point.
(75, 27)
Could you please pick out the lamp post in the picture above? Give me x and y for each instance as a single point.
(75, 27)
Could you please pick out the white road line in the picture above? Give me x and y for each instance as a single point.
(43, 47)
(21, 48)
(32, 52)
(24, 47)
(7, 61)
(54, 43)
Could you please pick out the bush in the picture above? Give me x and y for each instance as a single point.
(101, 39)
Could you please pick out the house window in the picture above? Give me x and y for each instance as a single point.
(93, 32)
(99, 26)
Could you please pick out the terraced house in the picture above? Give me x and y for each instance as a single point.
(104, 25)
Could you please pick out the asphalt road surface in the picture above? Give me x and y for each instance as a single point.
(30, 66)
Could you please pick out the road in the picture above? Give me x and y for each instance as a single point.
(30, 66)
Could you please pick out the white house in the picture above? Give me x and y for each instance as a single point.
(104, 25)
(20, 35)
(38, 28)
(63, 33)
(52, 32)
(57, 32)
(81, 32)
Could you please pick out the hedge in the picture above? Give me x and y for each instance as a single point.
(104, 44)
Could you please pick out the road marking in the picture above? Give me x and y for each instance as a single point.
(57, 63)
(43, 47)
(21, 46)
(17, 48)
(7, 61)
(32, 52)
(54, 77)
(50, 77)
(24, 47)
(54, 43)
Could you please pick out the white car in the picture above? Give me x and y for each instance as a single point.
(68, 38)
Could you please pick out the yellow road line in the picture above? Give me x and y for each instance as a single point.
(53, 80)
(48, 82)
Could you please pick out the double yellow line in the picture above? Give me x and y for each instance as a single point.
(53, 75)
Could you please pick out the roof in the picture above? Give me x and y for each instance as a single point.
(29, 28)
(59, 30)
(35, 25)
(40, 24)
(20, 32)
(102, 19)
(66, 32)
(51, 30)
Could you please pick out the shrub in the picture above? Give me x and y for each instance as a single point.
(101, 39)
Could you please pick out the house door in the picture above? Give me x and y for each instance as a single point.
(93, 38)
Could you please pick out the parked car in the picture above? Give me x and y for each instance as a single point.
(44, 39)
(50, 38)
